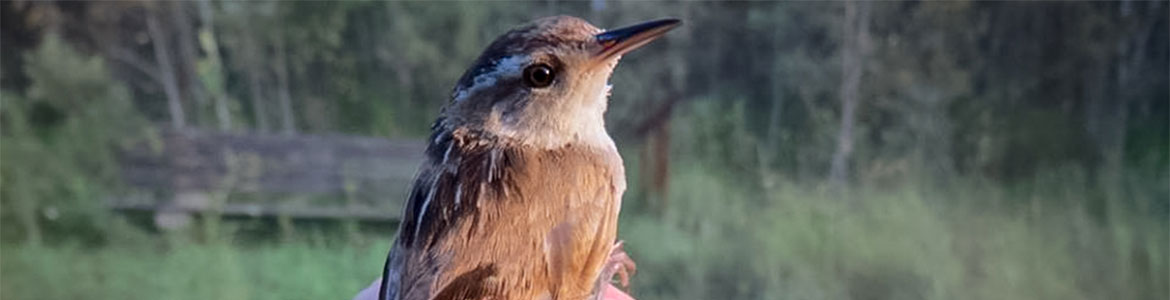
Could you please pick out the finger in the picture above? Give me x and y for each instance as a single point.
(613, 293)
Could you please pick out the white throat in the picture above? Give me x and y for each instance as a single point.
(586, 126)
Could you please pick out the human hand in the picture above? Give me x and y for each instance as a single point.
(371, 292)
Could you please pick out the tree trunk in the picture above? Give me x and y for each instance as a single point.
(655, 160)
(660, 164)
(166, 69)
(252, 65)
(214, 79)
(281, 64)
(255, 90)
(187, 75)
(26, 211)
(856, 31)
(766, 150)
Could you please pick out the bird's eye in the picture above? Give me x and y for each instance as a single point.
(539, 75)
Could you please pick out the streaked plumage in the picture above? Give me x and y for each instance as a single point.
(520, 193)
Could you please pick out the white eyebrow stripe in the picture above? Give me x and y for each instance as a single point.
(503, 67)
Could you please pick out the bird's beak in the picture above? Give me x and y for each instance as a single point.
(616, 42)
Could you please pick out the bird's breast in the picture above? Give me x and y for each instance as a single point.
(541, 220)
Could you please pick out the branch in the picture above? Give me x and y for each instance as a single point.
(659, 116)
(124, 56)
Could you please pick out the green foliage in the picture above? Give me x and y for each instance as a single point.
(983, 89)
(892, 242)
(190, 271)
(58, 143)
(1003, 150)
(715, 242)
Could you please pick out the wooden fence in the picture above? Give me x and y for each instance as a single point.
(298, 176)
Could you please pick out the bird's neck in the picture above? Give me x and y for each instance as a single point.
(583, 125)
(586, 134)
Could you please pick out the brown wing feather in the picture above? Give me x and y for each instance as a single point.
(474, 284)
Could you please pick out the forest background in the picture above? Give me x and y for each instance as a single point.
(776, 150)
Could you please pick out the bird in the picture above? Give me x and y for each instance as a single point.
(519, 194)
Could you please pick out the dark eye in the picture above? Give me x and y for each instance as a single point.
(538, 76)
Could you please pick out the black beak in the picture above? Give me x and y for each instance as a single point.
(619, 41)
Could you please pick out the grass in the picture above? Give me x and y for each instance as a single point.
(192, 271)
(900, 242)
(968, 241)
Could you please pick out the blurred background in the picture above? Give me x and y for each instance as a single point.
(797, 150)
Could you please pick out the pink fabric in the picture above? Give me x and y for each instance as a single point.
(613, 293)
(371, 292)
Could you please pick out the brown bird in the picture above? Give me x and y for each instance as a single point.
(520, 193)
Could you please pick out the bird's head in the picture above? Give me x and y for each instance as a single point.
(546, 83)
